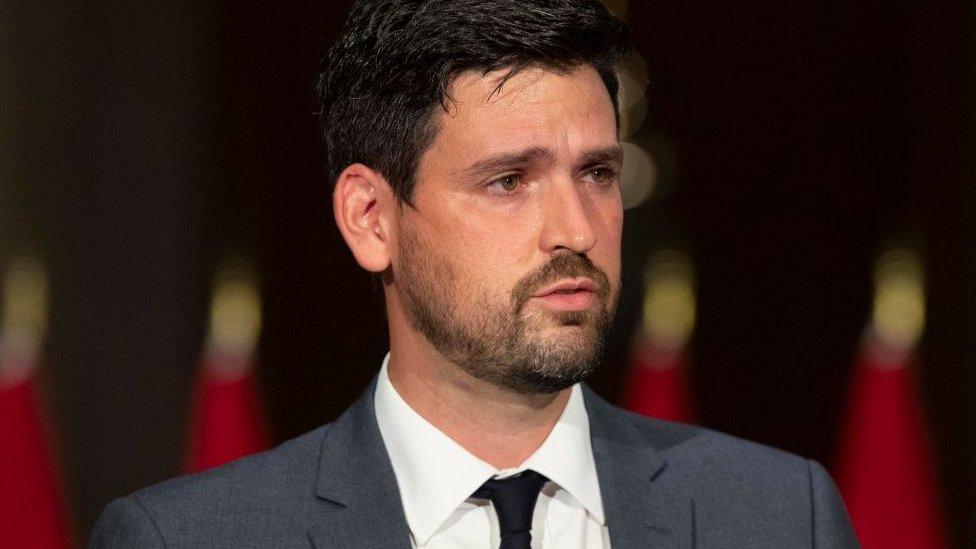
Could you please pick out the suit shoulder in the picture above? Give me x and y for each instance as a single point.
(691, 443)
(745, 490)
(125, 523)
(714, 458)
(260, 497)
(282, 467)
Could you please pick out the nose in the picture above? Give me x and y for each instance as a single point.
(567, 219)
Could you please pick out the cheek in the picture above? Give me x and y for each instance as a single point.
(608, 214)
(477, 251)
(492, 238)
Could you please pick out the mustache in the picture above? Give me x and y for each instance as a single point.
(559, 267)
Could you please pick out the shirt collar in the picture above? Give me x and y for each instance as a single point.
(566, 456)
(435, 474)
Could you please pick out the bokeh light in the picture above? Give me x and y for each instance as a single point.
(617, 7)
(25, 316)
(25, 303)
(633, 77)
(898, 315)
(235, 311)
(669, 299)
(638, 176)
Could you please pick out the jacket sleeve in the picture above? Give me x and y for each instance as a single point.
(125, 523)
(831, 526)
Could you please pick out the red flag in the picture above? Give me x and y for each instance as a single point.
(227, 421)
(32, 512)
(885, 468)
(657, 383)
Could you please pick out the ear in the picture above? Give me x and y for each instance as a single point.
(364, 206)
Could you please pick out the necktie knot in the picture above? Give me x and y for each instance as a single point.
(514, 500)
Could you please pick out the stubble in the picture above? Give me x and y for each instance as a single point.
(499, 338)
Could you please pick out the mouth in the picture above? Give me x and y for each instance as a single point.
(568, 295)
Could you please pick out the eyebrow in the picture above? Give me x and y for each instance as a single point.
(613, 154)
(503, 161)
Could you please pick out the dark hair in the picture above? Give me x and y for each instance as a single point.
(393, 64)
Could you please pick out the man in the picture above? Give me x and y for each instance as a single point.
(474, 150)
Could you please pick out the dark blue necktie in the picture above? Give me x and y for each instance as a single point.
(514, 500)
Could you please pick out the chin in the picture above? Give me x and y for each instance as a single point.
(585, 332)
(572, 369)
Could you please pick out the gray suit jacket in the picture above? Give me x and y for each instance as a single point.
(663, 485)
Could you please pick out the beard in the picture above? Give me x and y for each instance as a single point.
(500, 340)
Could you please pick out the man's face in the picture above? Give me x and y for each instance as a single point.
(509, 261)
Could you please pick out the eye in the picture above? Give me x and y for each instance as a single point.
(507, 184)
(601, 175)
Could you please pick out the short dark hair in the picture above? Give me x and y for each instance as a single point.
(393, 64)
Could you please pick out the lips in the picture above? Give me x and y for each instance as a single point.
(568, 295)
(568, 287)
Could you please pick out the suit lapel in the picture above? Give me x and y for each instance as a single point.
(358, 502)
(642, 509)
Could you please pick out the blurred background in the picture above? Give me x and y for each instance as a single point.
(799, 247)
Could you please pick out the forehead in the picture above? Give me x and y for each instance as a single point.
(565, 111)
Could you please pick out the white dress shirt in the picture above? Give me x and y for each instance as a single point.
(437, 476)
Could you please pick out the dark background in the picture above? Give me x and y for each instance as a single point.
(142, 142)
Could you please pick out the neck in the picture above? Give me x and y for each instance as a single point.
(495, 424)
